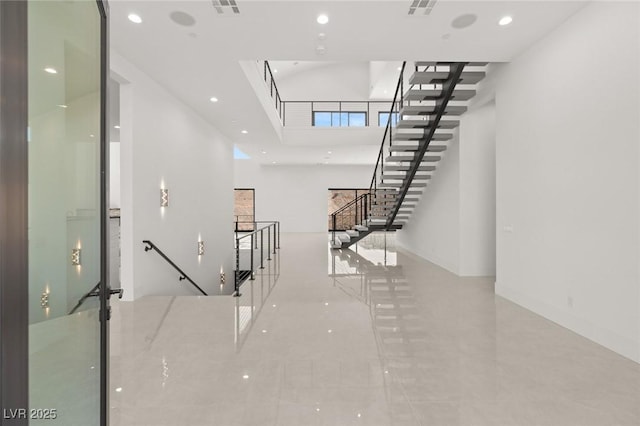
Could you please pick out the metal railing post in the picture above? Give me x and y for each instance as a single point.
(237, 278)
(355, 217)
(268, 242)
(251, 249)
(261, 249)
(255, 228)
(333, 228)
(274, 237)
(278, 222)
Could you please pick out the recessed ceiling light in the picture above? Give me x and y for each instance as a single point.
(62, 106)
(322, 19)
(328, 152)
(51, 70)
(399, 68)
(322, 36)
(213, 99)
(264, 152)
(275, 71)
(116, 127)
(505, 20)
(246, 376)
(273, 162)
(321, 50)
(136, 19)
(244, 132)
(118, 389)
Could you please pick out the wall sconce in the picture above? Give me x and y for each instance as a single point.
(44, 300)
(75, 257)
(164, 198)
(200, 248)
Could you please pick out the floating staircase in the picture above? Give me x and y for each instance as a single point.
(429, 101)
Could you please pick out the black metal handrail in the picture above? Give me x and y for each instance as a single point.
(387, 131)
(360, 207)
(94, 292)
(183, 275)
(279, 103)
(275, 236)
(448, 86)
(91, 293)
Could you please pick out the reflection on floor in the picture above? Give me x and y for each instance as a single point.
(384, 338)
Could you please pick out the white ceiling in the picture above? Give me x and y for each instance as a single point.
(202, 60)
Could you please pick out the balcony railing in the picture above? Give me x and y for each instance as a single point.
(302, 113)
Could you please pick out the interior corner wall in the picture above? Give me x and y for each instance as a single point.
(433, 231)
(166, 144)
(296, 195)
(567, 176)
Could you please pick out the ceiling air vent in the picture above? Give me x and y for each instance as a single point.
(423, 7)
(226, 6)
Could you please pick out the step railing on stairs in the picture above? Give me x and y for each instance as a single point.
(387, 138)
(252, 244)
(407, 173)
(183, 276)
(352, 214)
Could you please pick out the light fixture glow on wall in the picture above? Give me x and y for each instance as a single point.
(505, 20)
(75, 257)
(164, 197)
(200, 248)
(136, 19)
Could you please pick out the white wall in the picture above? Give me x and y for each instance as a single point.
(478, 192)
(114, 175)
(433, 231)
(165, 143)
(568, 184)
(453, 225)
(297, 195)
(333, 82)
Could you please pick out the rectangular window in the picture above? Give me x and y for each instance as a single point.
(383, 119)
(339, 119)
(244, 208)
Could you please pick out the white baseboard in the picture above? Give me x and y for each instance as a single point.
(610, 339)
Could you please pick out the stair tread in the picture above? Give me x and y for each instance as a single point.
(398, 183)
(401, 158)
(430, 109)
(431, 94)
(424, 124)
(406, 167)
(416, 136)
(433, 77)
(417, 147)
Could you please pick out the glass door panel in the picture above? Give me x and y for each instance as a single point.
(64, 211)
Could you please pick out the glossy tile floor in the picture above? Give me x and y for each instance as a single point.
(369, 338)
